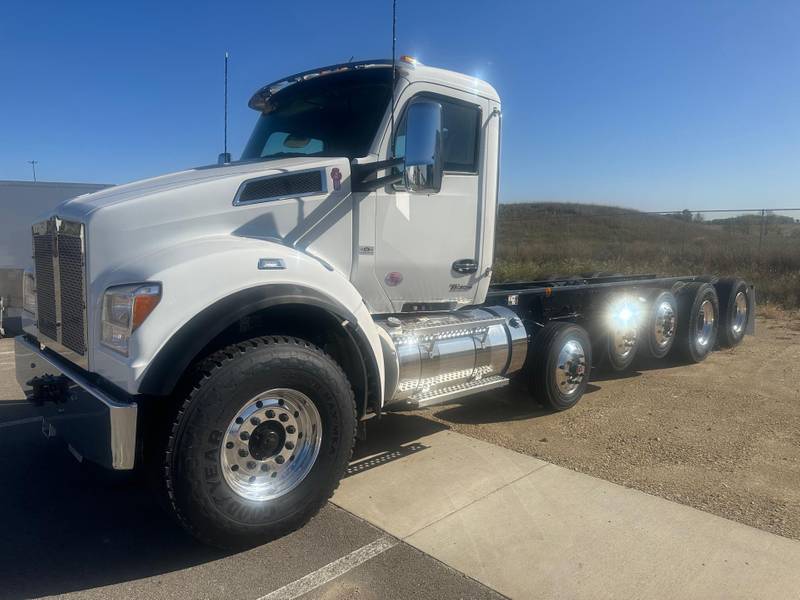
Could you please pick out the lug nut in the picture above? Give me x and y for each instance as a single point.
(239, 420)
(279, 459)
(280, 402)
(289, 445)
(264, 468)
(296, 414)
(243, 453)
(251, 465)
(234, 467)
(270, 414)
(229, 445)
(252, 479)
(300, 436)
(259, 404)
(244, 435)
(284, 417)
(290, 429)
(255, 421)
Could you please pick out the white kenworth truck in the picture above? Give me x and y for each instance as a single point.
(229, 329)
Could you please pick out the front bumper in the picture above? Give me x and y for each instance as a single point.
(98, 427)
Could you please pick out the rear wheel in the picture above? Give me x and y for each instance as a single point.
(734, 311)
(698, 321)
(260, 443)
(661, 323)
(622, 343)
(559, 364)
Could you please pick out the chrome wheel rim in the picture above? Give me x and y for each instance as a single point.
(705, 323)
(664, 324)
(623, 342)
(570, 367)
(740, 313)
(271, 444)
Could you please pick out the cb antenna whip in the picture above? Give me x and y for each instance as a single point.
(225, 158)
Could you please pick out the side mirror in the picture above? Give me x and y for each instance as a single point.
(423, 160)
(224, 158)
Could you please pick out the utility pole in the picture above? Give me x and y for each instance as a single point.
(33, 164)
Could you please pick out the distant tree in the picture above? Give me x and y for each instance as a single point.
(686, 215)
(698, 218)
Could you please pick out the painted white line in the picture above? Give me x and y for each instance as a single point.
(7, 353)
(332, 570)
(20, 422)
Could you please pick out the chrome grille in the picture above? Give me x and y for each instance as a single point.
(70, 259)
(61, 285)
(43, 250)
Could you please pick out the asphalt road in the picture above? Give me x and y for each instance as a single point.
(68, 530)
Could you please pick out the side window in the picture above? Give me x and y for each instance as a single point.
(461, 124)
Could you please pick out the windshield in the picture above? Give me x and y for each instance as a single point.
(330, 115)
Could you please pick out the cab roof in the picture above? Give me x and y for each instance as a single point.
(407, 67)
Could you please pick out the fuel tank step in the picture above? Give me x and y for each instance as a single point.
(452, 392)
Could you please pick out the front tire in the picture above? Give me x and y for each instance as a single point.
(260, 443)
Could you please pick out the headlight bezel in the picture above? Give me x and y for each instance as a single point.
(124, 308)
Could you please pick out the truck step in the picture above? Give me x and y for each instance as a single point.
(457, 391)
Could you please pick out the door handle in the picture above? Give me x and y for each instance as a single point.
(465, 266)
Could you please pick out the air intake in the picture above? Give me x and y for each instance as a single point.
(275, 187)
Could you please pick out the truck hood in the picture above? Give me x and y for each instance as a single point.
(81, 206)
(127, 224)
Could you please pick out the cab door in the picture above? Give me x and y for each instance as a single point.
(428, 251)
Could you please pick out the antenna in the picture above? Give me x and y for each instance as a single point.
(33, 164)
(394, 71)
(225, 157)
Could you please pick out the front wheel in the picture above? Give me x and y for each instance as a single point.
(260, 442)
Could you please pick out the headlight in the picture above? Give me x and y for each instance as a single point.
(124, 309)
(29, 292)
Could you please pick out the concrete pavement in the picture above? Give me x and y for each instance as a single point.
(529, 529)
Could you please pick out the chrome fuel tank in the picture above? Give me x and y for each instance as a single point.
(430, 356)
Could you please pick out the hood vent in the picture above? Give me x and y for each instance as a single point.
(276, 187)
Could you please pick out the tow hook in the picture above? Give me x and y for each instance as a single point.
(49, 388)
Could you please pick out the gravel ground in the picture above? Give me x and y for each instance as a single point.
(722, 436)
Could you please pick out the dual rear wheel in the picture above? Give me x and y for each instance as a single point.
(688, 323)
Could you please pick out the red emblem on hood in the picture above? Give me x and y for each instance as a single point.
(336, 178)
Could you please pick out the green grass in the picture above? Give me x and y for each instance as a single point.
(541, 240)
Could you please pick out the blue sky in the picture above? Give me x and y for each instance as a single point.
(654, 105)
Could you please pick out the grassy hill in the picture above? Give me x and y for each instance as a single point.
(540, 240)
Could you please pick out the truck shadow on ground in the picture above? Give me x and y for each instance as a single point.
(65, 527)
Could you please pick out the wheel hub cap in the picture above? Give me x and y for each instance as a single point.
(705, 323)
(664, 324)
(570, 367)
(740, 313)
(271, 444)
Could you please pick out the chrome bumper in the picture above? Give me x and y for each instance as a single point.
(97, 426)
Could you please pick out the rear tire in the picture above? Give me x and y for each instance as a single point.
(734, 311)
(698, 321)
(260, 443)
(559, 364)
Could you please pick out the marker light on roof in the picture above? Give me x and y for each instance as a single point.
(408, 59)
